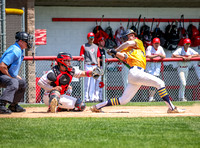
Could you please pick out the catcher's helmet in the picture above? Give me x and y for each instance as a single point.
(187, 40)
(156, 40)
(64, 56)
(24, 37)
(130, 31)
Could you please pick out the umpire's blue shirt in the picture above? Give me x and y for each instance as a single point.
(13, 58)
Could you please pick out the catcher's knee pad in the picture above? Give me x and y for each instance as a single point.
(80, 105)
(54, 94)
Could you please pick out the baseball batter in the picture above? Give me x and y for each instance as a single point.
(183, 67)
(56, 84)
(154, 51)
(91, 54)
(134, 53)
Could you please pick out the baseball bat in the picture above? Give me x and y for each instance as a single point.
(128, 66)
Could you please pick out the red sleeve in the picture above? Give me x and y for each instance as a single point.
(98, 53)
(82, 52)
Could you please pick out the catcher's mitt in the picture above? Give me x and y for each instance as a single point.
(97, 72)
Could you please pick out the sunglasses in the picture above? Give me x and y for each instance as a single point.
(91, 37)
(187, 43)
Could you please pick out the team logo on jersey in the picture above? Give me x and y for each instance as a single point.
(92, 50)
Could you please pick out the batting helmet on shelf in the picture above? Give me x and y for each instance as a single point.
(195, 41)
(24, 37)
(64, 56)
(186, 41)
(156, 40)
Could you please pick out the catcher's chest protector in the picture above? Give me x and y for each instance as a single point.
(63, 78)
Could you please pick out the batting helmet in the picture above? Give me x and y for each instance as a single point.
(130, 31)
(64, 56)
(24, 37)
(187, 40)
(156, 40)
(90, 34)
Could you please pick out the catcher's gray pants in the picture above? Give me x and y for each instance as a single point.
(14, 88)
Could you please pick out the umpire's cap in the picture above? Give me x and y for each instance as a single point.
(130, 31)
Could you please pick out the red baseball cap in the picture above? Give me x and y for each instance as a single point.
(156, 40)
(187, 40)
(90, 34)
(101, 39)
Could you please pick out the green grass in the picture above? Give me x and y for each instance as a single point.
(161, 132)
(182, 132)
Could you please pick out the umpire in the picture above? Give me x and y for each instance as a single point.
(14, 85)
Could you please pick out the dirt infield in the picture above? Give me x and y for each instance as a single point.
(119, 111)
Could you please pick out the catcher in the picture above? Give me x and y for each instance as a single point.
(56, 84)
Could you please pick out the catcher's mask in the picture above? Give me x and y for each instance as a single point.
(24, 37)
(61, 57)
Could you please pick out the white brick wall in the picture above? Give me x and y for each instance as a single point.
(69, 36)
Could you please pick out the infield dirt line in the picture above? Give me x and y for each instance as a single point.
(117, 111)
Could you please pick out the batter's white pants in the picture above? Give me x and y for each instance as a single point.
(89, 84)
(65, 102)
(183, 73)
(136, 78)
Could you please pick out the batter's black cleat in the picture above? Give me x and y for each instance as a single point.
(16, 108)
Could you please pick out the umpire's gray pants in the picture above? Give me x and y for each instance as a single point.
(14, 88)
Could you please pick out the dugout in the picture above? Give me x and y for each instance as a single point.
(70, 32)
(68, 23)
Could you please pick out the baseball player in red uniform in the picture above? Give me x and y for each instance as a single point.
(186, 53)
(91, 55)
(154, 51)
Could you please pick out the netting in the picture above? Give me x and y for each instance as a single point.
(116, 80)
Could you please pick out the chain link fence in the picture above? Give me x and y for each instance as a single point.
(115, 79)
(117, 75)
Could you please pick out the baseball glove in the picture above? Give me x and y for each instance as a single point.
(97, 72)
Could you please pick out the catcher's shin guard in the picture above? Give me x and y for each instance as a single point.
(54, 94)
(80, 105)
(54, 97)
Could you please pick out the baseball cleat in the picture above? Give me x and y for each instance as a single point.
(94, 109)
(53, 105)
(184, 100)
(152, 100)
(176, 110)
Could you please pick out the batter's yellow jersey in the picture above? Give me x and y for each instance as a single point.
(136, 56)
